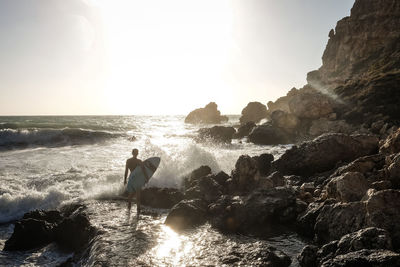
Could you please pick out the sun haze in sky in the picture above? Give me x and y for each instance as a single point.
(157, 57)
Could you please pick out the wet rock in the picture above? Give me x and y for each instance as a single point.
(221, 178)
(245, 129)
(246, 173)
(187, 214)
(365, 257)
(264, 163)
(391, 144)
(267, 134)
(208, 114)
(261, 213)
(336, 220)
(308, 256)
(383, 211)
(306, 220)
(74, 232)
(161, 198)
(51, 216)
(265, 183)
(30, 233)
(206, 188)
(253, 112)
(284, 120)
(196, 174)
(381, 185)
(217, 133)
(324, 153)
(348, 187)
(257, 256)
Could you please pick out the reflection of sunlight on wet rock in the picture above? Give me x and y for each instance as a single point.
(171, 245)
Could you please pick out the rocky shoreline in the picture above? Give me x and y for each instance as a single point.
(338, 187)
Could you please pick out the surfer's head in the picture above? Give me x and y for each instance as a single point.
(135, 152)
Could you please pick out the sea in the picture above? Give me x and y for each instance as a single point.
(50, 161)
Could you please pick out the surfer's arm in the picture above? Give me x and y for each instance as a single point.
(126, 173)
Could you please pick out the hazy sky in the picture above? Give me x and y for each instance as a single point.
(157, 56)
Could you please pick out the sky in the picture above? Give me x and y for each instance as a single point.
(157, 57)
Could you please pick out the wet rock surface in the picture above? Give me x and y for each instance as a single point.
(70, 229)
(217, 133)
(187, 214)
(253, 112)
(162, 198)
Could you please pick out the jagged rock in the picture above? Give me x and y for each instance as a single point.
(277, 179)
(348, 187)
(383, 211)
(217, 133)
(325, 125)
(245, 129)
(365, 257)
(381, 185)
(360, 62)
(257, 256)
(365, 164)
(70, 229)
(30, 233)
(393, 171)
(284, 120)
(324, 153)
(308, 256)
(161, 198)
(221, 178)
(187, 214)
(282, 103)
(263, 211)
(246, 173)
(253, 112)
(264, 163)
(206, 188)
(266, 134)
(336, 220)
(306, 220)
(311, 105)
(391, 144)
(196, 174)
(208, 114)
(74, 232)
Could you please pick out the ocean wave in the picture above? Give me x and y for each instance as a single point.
(11, 138)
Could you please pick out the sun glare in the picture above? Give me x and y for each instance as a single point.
(163, 52)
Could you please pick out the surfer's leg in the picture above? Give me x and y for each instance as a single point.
(138, 201)
(130, 196)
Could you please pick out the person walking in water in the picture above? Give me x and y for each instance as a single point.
(130, 165)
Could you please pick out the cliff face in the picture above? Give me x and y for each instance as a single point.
(361, 62)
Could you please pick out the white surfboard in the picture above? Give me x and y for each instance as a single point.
(137, 178)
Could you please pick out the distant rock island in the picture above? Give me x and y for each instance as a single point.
(207, 115)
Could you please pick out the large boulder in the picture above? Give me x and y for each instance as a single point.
(205, 188)
(267, 134)
(217, 133)
(365, 257)
(393, 171)
(311, 105)
(161, 198)
(208, 114)
(245, 129)
(262, 212)
(246, 173)
(383, 211)
(284, 120)
(324, 153)
(187, 214)
(195, 175)
(348, 187)
(264, 163)
(325, 125)
(336, 220)
(253, 112)
(30, 233)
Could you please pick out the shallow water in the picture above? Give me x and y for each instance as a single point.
(49, 161)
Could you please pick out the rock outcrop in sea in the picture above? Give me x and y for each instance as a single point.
(208, 115)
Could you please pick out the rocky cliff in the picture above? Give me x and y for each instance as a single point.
(361, 62)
